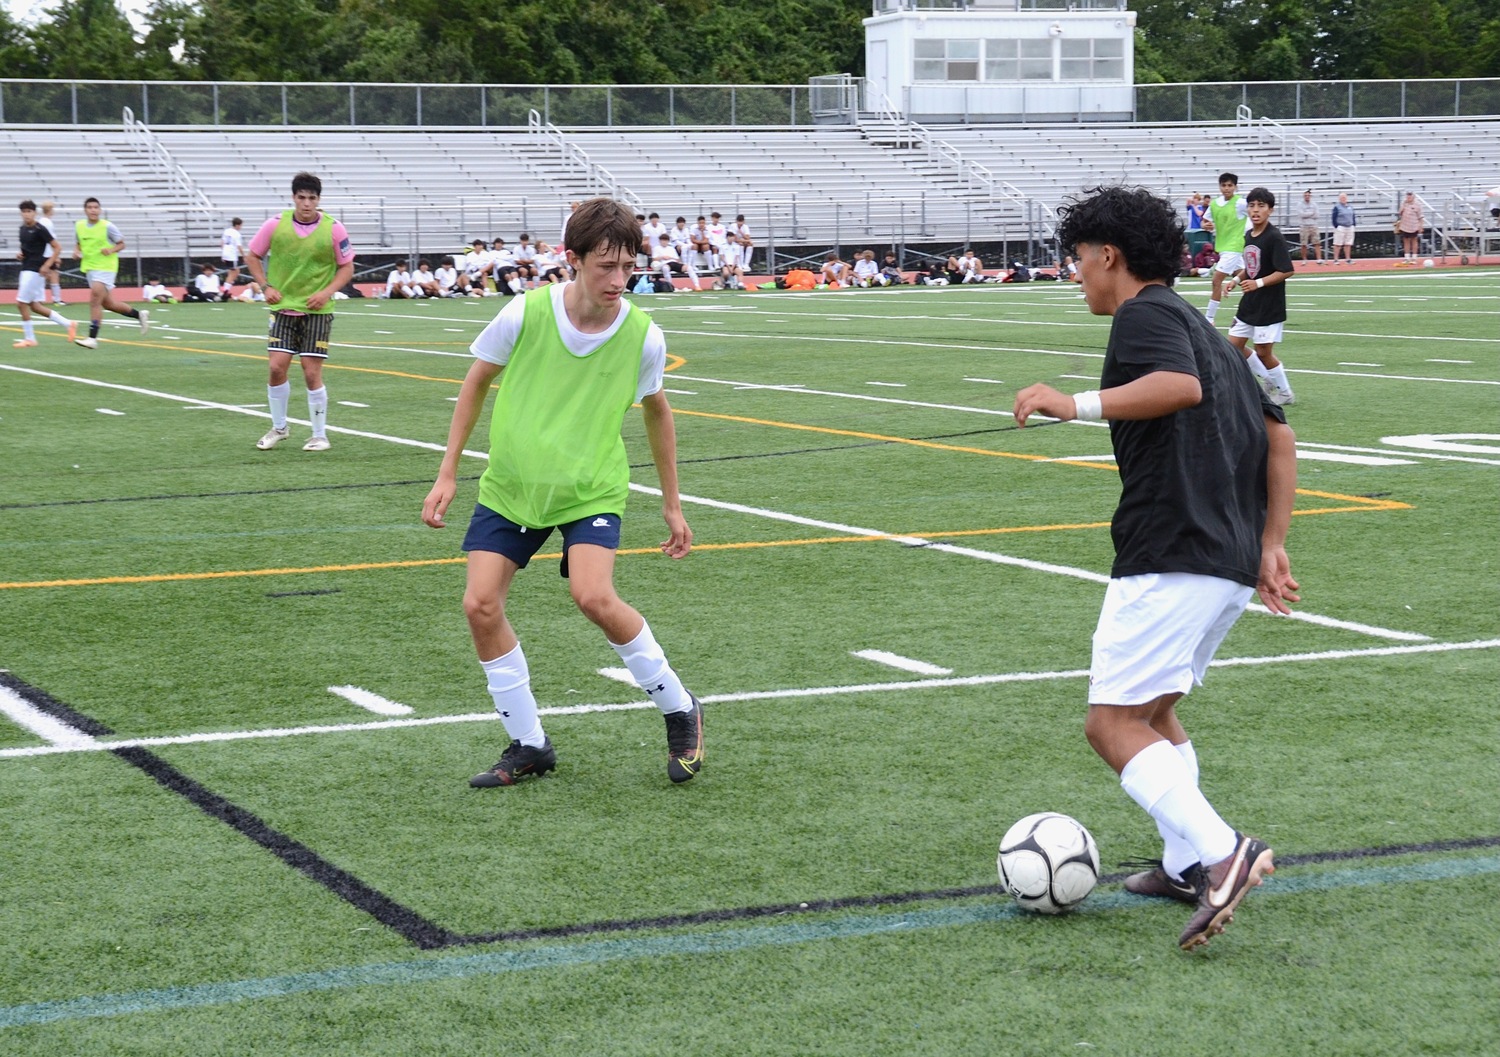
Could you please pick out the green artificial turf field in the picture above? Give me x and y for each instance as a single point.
(210, 847)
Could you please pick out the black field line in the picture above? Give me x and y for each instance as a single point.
(400, 919)
(225, 495)
(428, 935)
(711, 917)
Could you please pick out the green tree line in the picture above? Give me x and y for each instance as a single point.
(702, 41)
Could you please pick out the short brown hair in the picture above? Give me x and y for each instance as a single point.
(603, 224)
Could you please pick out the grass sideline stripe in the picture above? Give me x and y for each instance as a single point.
(729, 941)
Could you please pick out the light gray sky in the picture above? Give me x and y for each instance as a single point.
(24, 10)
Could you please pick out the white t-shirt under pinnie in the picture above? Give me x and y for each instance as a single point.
(496, 340)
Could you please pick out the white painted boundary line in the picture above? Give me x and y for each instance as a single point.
(60, 736)
(83, 743)
(372, 701)
(905, 664)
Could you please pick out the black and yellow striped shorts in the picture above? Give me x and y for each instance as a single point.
(300, 335)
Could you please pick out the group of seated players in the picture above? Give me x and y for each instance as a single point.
(863, 272)
(494, 271)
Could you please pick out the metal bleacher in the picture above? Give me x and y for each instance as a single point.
(430, 191)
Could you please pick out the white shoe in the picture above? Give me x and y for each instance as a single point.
(1281, 396)
(273, 438)
(316, 444)
(145, 321)
(88, 343)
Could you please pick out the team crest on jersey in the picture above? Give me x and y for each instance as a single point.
(1252, 261)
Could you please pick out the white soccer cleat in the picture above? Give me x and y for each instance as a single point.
(145, 321)
(88, 343)
(273, 438)
(316, 444)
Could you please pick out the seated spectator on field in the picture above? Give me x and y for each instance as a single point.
(731, 272)
(253, 292)
(665, 260)
(740, 232)
(477, 265)
(1019, 273)
(551, 266)
(425, 282)
(206, 286)
(1204, 260)
(155, 291)
(971, 268)
(503, 270)
(891, 269)
(936, 272)
(447, 279)
(835, 273)
(866, 272)
(525, 254)
(398, 284)
(1069, 271)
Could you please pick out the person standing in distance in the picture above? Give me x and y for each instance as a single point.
(39, 250)
(98, 252)
(310, 260)
(1200, 527)
(1226, 219)
(51, 274)
(571, 359)
(231, 248)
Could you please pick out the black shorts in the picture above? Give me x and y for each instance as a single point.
(490, 531)
(300, 335)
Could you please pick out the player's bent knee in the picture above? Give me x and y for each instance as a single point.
(483, 611)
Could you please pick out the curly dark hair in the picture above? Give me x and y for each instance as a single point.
(1144, 228)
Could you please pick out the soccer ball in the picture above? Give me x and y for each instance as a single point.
(1428, 263)
(1048, 862)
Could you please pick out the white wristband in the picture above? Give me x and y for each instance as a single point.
(1087, 406)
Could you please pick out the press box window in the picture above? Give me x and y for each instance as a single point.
(946, 60)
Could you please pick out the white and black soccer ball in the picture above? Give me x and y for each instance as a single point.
(1048, 862)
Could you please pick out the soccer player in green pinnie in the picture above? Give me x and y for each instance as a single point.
(571, 359)
(1226, 219)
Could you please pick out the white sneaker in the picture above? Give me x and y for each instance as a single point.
(145, 321)
(273, 438)
(316, 444)
(88, 343)
(1281, 396)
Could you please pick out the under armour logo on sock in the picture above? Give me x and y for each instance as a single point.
(655, 689)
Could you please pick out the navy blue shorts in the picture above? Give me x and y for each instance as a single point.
(489, 531)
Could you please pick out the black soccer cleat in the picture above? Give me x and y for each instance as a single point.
(517, 762)
(685, 742)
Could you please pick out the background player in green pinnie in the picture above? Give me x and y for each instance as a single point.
(570, 359)
(1226, 219)
(1262, 309)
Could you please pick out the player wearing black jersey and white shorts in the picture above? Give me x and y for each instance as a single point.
(1262, 283)
(39, 248)
(1207, 477)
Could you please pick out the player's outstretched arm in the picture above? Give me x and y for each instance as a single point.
(1276, 586)
(471, 398)
(1151, 396)
(661, 432)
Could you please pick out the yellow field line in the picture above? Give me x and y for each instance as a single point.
(889, 439)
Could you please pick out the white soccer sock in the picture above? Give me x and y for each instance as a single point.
(1177, 854)
(56, 293)
(1213, 310)
(648, 664)
(1256, 367)
(317, 410)
(509, 681)
(57, 317)
(277, 396)
(1159, 779)
(1277, 374)
(26, 331)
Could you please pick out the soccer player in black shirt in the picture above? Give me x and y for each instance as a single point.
(1207, 474)
(39, 251)
(1262, 284)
